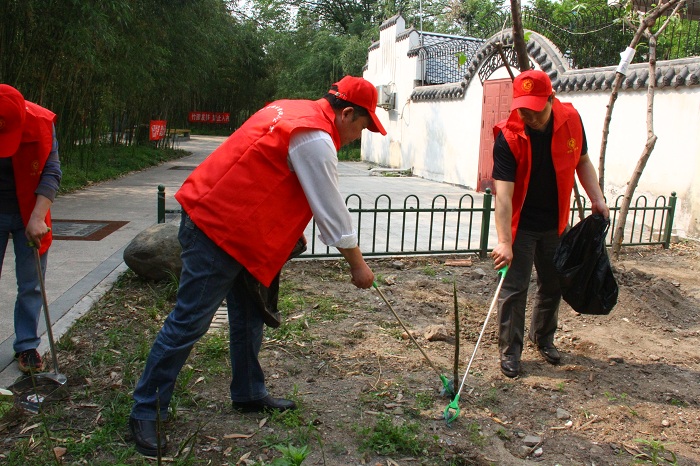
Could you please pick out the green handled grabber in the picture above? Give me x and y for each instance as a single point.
(454, 405)
(445, 382)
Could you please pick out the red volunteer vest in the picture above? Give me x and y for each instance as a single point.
(29, 160)
(567, 140)
(244, 196)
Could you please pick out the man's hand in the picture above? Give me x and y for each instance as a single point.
(502, 255)
(35, 230)
(601, 208)
(36, 226)
(362, 277)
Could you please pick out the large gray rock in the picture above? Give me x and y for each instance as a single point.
(154, 254)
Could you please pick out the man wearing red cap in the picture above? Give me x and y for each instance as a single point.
(537, 152)
(30, 174)
(244, 210)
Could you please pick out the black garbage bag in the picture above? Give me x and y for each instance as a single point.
(266, 298)
(587, 281)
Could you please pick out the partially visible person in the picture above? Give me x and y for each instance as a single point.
(30, 174)
(245, 209)
(537, 152)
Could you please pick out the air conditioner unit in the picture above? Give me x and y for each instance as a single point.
(385, 98)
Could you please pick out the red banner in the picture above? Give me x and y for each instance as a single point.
(209, 117)
(157, 130)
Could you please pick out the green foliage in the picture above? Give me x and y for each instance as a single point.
(387, 437)
(424, 400)
(656, 453)
(293, 456)
(101, 163)
(678, 403)
(215, 345)
(474, 433)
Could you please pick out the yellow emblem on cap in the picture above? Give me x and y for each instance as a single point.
(571, 143)
(527, 85)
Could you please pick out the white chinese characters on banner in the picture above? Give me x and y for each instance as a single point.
(157, 130)
(209, 117)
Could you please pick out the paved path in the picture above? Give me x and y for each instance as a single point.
(98, 223)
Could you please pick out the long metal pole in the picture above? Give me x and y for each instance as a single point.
(49, 331)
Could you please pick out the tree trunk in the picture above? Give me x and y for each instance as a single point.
(645, 23)
(651, 137)
(519, 36)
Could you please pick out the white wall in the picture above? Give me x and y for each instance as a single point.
(439, 139)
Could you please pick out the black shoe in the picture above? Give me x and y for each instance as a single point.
(263, 404)
(550, 353)
(510, 368)
(146, 437)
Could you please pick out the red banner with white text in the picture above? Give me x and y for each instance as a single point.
(157, 130)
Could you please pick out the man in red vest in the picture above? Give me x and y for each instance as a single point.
(244, 210)
(30, 174)
(537, 152)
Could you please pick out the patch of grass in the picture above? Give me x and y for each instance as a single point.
(393, 330)
(289, 330)
(475, 435)
(291, 455)
(387, 437)
(488, 398)
(656, 453)
(326, 309)
(424, 400)
(5, 405)
(215, 345)
(93, 164)
(429, 271)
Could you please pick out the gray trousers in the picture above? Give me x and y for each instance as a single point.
(529, 248)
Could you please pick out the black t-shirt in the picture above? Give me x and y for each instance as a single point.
(8, 194)
(541, 206)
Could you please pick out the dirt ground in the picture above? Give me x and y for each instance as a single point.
(628, 387)
(627, 391)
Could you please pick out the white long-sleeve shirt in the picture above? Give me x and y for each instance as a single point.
(312, 156)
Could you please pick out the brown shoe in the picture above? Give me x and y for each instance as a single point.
(29, 361)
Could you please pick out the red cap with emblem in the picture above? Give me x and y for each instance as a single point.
(531, 90)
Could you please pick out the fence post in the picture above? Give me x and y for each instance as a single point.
(485, 220)
(669, 220)
(161, 203)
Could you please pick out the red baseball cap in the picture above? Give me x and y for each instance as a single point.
(12, 113)
(360, 92)
(531, 90)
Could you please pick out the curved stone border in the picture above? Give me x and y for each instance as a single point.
(670, 73)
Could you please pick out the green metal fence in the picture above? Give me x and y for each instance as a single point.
(462, 225)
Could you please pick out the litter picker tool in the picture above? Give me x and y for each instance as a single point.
(452, 410)
(32, 390)
(445, 382)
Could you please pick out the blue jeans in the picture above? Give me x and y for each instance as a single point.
(208, 276)
(529, 247)
(29, 301)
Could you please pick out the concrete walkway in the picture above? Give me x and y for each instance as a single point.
(93, 227)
